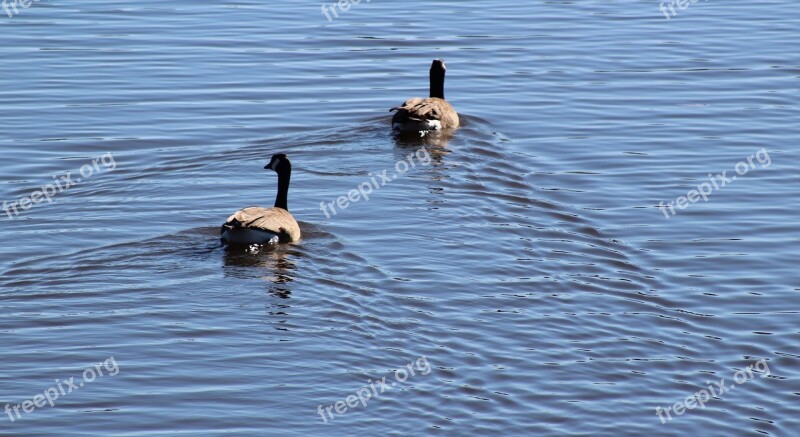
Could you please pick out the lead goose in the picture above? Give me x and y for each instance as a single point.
(433, 113)
(256, 225)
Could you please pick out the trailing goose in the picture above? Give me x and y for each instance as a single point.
(255, 225)
(433, 113)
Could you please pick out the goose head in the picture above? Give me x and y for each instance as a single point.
(279, 164)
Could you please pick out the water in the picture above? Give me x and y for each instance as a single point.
(524, 271)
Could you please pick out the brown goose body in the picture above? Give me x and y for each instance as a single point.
(420, 114)
(426, 114)
(257, 225)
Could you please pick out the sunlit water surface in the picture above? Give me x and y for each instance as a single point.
(525, 257)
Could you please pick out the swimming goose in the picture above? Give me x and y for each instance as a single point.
(255, 225)
(433, 113)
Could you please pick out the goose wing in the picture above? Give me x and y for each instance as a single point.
(275, 220)
(418, 109)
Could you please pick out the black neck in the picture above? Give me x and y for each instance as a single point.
(437, 83)
(281, 200)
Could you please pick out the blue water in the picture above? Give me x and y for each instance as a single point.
(522, 270)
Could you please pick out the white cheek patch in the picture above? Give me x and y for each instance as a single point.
(275, 164)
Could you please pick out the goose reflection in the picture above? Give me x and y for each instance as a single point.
(274, 265)
(435, 141)
(434, 146)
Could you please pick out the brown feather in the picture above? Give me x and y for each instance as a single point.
(431, 108)
(276, 220)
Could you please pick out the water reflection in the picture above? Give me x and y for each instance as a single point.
(437, 141)
(273, 264)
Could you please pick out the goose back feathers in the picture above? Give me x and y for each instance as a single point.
(256, 225)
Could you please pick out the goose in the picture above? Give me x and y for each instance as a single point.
(256, 225)
(434, 113)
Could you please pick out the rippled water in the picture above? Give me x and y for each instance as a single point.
(523, 269)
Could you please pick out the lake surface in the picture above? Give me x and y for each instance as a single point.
(519, 279)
